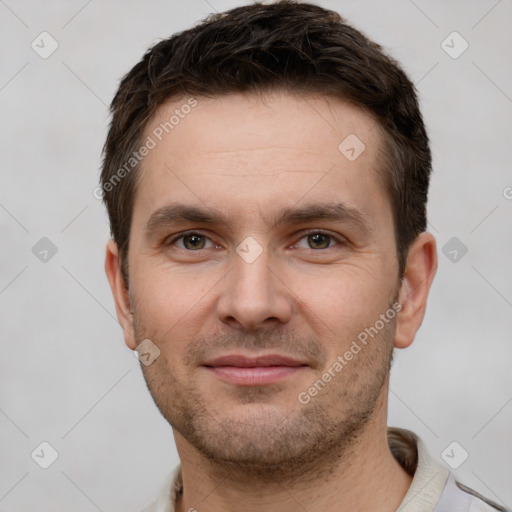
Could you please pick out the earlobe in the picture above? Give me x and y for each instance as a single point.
(120, 293)
(419, 273)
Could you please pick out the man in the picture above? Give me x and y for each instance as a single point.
(266, 176)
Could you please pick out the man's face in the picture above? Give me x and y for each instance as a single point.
(271, 277)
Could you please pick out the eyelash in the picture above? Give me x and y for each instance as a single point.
(179, 236)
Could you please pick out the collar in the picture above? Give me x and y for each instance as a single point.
(429, 476)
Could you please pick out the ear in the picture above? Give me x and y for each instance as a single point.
(420, 270)
(120, 293)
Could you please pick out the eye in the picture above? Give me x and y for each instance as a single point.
(191, 241)
(318, 240)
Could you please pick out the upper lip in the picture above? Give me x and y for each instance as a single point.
(245, 361)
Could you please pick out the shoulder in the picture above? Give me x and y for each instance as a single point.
(457, 497)
(166, 498)
(478, 501)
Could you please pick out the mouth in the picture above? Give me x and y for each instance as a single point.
(263, 370)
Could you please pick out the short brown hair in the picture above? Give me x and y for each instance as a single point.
(287, 46)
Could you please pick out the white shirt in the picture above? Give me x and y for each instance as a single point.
(433, 488)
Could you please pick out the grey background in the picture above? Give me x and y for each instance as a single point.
(67, 377)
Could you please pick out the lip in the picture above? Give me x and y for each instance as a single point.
(243, 361)
(260, 370)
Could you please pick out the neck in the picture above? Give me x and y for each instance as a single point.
(365, 476)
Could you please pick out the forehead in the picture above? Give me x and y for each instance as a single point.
(251, 153)
(225, 124)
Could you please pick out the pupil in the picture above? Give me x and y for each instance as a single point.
(194, 240)
(318, 239)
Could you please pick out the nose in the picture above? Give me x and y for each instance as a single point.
(254, 295)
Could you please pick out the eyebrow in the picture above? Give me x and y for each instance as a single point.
(176, 213)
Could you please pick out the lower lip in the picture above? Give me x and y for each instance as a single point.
(254, 376)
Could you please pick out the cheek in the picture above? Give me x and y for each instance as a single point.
(170, 309)
(339, 305)
(165, 294)
(343, 296)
